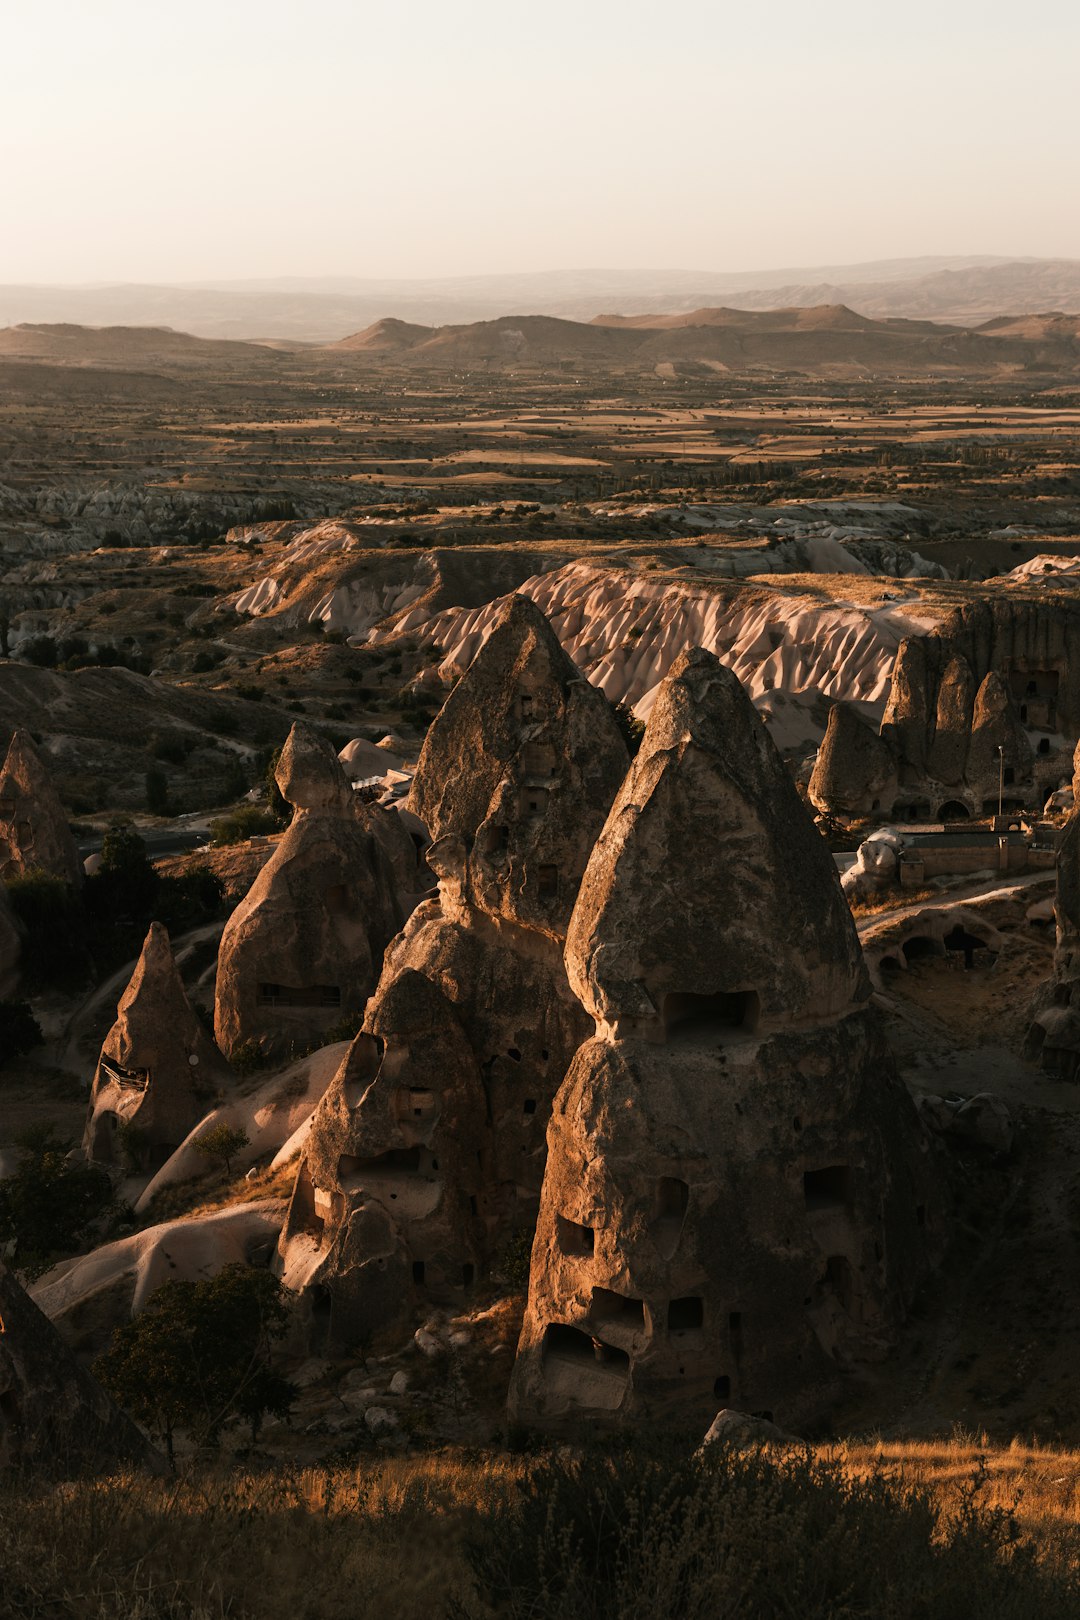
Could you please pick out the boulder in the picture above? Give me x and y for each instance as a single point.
(34, 831)
(158, 1070)
(746, 1431)
(56, 1421)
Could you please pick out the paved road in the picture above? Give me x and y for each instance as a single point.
(158, 840)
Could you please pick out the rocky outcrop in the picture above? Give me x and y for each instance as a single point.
(1053, 1038)
(736, 1203)
(947, 754)
(158, 1070)
(855, 771)
(302, 951)
(34, 831)
(513, 830)
(56, 1422)
(995, 725)
(430, 1146)
(910, 706)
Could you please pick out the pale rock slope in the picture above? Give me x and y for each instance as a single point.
(625, 631)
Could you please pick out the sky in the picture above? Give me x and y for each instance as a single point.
(218, 139)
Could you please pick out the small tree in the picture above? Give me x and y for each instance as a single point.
(157, 791)
(222, 1142)
(48, 1204)
(198, 1356)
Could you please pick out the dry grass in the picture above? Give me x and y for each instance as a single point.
(1040, 1485)
(217, 1190)
(384, 1538)
(892, 900)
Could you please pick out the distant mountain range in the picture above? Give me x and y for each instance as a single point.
(963, 291)
(824, 341)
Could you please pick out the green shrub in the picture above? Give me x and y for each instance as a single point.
(55, 951)
(48, 1204)
(198, 1356)
(634, 1529)
(249, 821)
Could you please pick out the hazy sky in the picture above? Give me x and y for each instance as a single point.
(234, 138)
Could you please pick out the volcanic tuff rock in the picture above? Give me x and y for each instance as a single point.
(735, 1194)
(157, 1069)
(708, 825)
(1054, 1034)
(995, 725)
(421, 1160)
(34, 831)
(855, 770)
(948, 752)
(55, 1420)
(513, 829)
(302, 950)
(401, 1132)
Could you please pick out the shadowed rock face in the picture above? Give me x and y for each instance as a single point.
(516, 773)
(473, 1014)
(910, 705)
(303, 949)
(158, 1068)
(401, 1136)
(10, 948)
(855, 771)
(947, 754)
(995, 724)
(1054, 1033)
(34, 831)
(736, 1204)
(707, 826)
(56, 1422)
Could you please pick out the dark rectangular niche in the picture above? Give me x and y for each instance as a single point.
(569, 1344)
(609, 1309)
(311, 995)
(686, 1315)
(574, 1240)
(829, 1188)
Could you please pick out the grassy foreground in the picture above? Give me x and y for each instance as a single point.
(915, 1532)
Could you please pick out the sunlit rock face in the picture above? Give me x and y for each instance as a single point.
(303, 950)
(473, 1014)
(855, 771)
(158, 1070)
(737, 1202)
(56, 1422)
(516, 775)
(34, 831)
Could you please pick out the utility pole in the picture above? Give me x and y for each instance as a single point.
(1001, 775)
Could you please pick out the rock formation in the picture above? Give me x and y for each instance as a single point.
(430, 1145)
(158, 1071)
(34, 831)
(735, 1202)
(994, 673)
(947, 753)
(1054, 1034)
(995, 725)
(302, 951)
(855, 770)
(56, 1422)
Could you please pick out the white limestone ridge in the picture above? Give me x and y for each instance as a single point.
(626, 630)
